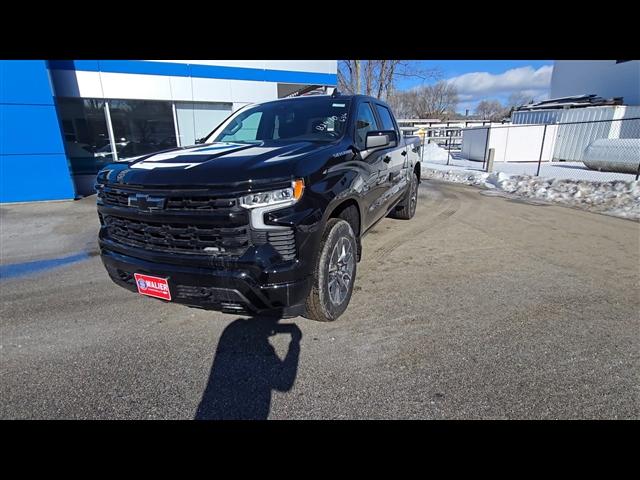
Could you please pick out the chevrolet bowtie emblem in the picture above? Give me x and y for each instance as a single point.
(146, 203)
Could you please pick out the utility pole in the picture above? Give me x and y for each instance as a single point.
(357, 70)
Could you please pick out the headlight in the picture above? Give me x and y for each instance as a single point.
(282, 196)
(261, 203)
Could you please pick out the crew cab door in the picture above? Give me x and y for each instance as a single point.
(397, 157)
(377, 184)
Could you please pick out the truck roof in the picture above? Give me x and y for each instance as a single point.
(335, 96)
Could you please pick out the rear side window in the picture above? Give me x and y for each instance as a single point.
(385, 117)
(365, 121)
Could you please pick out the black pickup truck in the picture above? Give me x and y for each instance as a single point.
(266, 215)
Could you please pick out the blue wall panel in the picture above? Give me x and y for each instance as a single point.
(30, 129)
(33, 164)
(26, 178)
(25, 82)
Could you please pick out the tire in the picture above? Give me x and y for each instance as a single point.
(331, 292)
(406, 209)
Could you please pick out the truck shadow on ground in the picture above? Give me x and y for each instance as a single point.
(246, 369)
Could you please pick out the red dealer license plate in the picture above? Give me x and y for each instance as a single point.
(152, 286)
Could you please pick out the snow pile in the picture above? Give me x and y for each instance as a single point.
(433, 153)
(618, 198)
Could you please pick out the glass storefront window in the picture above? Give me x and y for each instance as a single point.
(86, 136)
(142, 126)
(139, 127)
(197, 120)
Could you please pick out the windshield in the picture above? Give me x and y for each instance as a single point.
(308, 119)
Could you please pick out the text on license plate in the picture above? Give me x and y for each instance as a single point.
(152, 286)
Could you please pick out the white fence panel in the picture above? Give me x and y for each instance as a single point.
(473, 143)
(513, 143)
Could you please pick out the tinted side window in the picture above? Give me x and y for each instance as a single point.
(385, 117)
(365, 121)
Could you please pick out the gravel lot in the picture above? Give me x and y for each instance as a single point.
(480, 307)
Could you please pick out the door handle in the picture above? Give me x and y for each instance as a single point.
(404, 152)
(386, 159)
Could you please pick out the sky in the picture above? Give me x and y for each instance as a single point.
(478, 80)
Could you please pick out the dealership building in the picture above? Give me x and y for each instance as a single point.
(62, 120)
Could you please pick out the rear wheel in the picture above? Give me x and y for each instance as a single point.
(334, 274)
(406, 209)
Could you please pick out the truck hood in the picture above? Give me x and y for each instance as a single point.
(221, 163)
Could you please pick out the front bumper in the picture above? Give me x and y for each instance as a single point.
(234, 290)
(255, 271)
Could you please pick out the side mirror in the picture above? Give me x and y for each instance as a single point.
(200, 140)
(380, 138)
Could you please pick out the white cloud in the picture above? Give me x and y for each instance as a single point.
(477, 86)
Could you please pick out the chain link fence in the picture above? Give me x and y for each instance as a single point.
(596, 150)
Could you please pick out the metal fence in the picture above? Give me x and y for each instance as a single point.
(597, 150)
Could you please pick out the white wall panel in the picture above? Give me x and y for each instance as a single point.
(316, 66)
(521, 144)
(239, 105)
(134, 86)
(211, 90)
(181, 88)
(549, 143)
(250, 91)
(220, 63)
(68, 83)
(498, 140)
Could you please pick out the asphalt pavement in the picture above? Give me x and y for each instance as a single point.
(479, 307)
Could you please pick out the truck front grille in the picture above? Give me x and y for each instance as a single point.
(218, 226)
(177, 237)
(114, 197)
(201, 203)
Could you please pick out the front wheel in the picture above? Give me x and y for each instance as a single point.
(334, 274)
(406, 209)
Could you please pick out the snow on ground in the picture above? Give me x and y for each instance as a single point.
(568, 170)
(433, 153)
(618, 198)
(567, 183)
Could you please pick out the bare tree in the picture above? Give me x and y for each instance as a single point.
(404, 103)
(378, 77)
(517, 99)
(439, 100)
(349, 76)
(491, 110)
